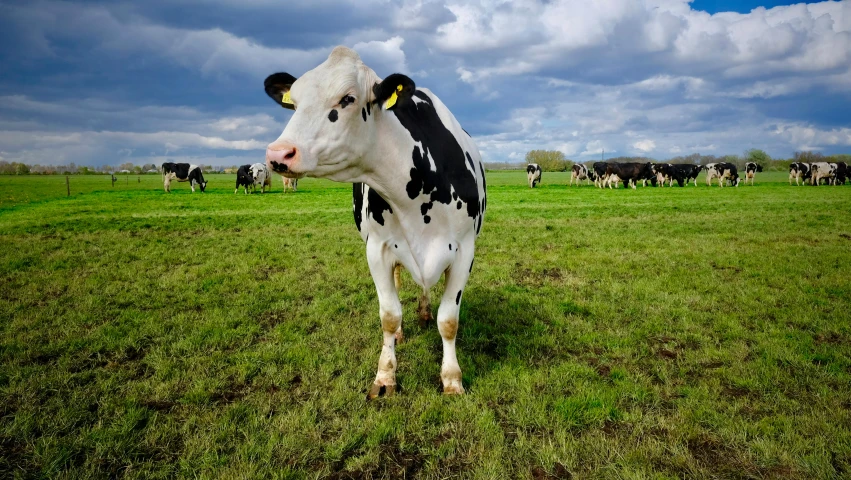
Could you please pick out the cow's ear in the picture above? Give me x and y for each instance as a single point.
(278, 86)
(392, 90)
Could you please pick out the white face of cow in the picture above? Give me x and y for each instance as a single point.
(331, 126)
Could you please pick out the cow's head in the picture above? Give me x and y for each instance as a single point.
(334, 121)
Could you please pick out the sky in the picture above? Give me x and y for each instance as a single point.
(106, 82)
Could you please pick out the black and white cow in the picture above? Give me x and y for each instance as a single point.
(664, 173)
(842, 173)
(823, 171)
(262, 177)
(688, 172)
(751, 168)
(599, 169)
(424, 194)
(800, 171)
(533, 174)
(712, 171)
(629, 173)
(244, 178)
(727, 172)
(580, 172)
(183, 172)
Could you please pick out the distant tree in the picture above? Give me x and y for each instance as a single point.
(549, 160)
(126, 166)
(758, 156)
(808, 157)
(21, 168)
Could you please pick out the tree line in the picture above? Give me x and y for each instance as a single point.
(18, 168)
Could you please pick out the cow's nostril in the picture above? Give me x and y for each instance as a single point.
(290, 154)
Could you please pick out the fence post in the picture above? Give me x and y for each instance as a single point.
(68, 185)
(139, 179)
(113, 180)
(127, 179)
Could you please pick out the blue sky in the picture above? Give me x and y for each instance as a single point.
(104, 82)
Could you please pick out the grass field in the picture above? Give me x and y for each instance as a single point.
(657, 333)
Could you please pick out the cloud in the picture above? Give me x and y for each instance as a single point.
(644, 145)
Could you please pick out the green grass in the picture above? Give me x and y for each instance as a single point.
(658, 333)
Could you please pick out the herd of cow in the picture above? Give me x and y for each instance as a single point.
(604, 174)
(247, 176)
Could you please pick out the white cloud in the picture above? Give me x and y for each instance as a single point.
(644, 145)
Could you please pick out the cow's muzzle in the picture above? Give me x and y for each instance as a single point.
(282, 157)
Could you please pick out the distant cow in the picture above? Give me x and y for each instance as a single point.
(262, 177)
(824, 171)
(183, 172)
(727, 171)
(599, 169)
(689, 172)
(750, 171)
(711, 172)
(800, 171)
(290, 184)
(842, 173)
(244, 178)
(533, 174)
(579, 172)
(663, 172)
(629, 173)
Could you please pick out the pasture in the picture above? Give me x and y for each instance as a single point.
(657, 333)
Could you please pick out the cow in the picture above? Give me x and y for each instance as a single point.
(533, 174)
(580, 172)
(727, 171)
(842, 173)
(688, 172)
(800, 171)
(823, 171)
(183, 172)
(663, 173)
(244, 178)
(711, 172)
(425, 199)
(599, 169)
(262, 177)
(751, 168)
(290, 184)
(629, 173)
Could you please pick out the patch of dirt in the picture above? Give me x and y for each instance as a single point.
(230, 393)
(16, 457)
(831, 338)
(712, 365)
(666, 354)
(270, 319)
(845, 236)
(735, 391)
(392, 463)
(158, 405)
(525, 276)
(726, 267)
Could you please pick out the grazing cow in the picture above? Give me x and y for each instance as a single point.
(290, 184)
(800, 171)
(688, 172)
(712, 171)
(183, 172)
(599, 169)
(262, 177)
(629, 173)
(823, 171)
(727, 171)
(580, 172)
(244, 178)
(426, 198)
(533, 174)
(842, 173)
(663, 173)
(750, 171)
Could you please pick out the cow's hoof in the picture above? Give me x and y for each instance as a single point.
(378, 390)
(453, 388)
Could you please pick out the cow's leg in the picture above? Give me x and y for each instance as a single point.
(381, 266)
(397, 281)
(447, 318)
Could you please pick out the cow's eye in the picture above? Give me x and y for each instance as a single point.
(348, 99)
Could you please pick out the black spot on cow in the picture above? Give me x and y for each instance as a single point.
(468, 133)
(395, 246)
(450, 247)
(377, 206)
(421, 121)
(459, 205)
(458, 298)
(363, 113)
(424, 208)
(426, 219)
(368, 112)
(332, 116)
(471, 264)
(357, 203)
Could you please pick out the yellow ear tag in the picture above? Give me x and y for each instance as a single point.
(392, 100)
(287, 98)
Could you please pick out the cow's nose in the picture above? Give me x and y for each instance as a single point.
(280, 157)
